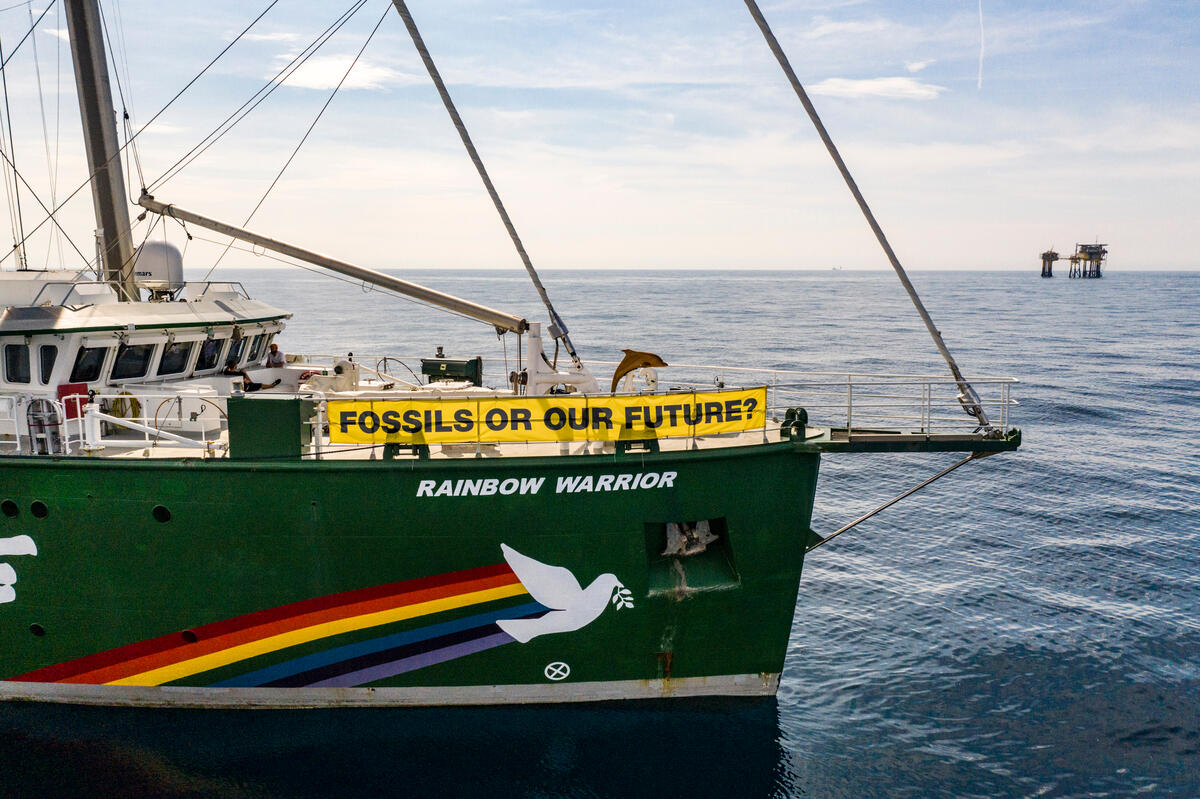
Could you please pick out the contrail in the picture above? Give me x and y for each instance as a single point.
(979, 84)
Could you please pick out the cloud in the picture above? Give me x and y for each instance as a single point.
(899, 88)
(810, 5)
(917, 66)
(163, 129)
(324, 72)
(1133, 130)
(823, 27)
(281, 36)
(552, 16)
(58, 33)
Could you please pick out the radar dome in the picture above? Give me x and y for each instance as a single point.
(158, 266)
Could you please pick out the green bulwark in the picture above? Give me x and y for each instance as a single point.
(268, 427)
(380, 582)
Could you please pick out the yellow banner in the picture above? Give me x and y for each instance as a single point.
(553, 418)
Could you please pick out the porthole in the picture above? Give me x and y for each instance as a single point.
(37, 630)
(38, 509)
(189, 636)
(9, 508)
(162, 514)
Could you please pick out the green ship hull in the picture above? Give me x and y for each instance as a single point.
(283, 566)
(317, 583)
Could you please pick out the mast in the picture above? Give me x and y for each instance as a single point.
(103, 152)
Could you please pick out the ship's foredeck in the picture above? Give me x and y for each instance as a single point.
(340, 411)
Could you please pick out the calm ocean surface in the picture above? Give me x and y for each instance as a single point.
(1029, 626)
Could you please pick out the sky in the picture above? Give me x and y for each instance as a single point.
(632, 135)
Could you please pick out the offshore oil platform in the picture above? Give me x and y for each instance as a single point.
(1087, 261)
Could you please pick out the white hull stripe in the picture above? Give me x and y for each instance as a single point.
(171, 696)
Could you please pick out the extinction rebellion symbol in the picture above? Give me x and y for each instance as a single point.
(557, 671)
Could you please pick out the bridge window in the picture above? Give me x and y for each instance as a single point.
(16, 363)
(256, 347)
(88, 364)
(210, 354)
(133, 360)
(235, 351)
(175, 357)
(48, 354)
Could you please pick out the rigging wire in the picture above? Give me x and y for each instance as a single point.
(10, 206)
(265, 91)
(974, 456)
(51, 162)
(14, 197)
(149, 231)
(967, 398)
(114, 46)
(307, 133)
(20, 228)
(50, 214)
(206, 68)
(4, 61)
(57, 128)
(142, 129)
(460, 126)
(128, 118)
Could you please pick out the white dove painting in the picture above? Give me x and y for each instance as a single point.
(571, 605)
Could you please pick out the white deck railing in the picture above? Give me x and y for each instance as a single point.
(10, 429)
(160, 418)
(850, 400)
(84, 291)
(132, 418)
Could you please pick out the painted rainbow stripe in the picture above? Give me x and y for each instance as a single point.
(177, 656)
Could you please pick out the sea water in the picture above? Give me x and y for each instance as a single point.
(1029, 626)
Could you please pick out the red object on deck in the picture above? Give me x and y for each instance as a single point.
(73, 408)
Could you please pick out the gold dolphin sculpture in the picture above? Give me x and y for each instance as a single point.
(634, 360)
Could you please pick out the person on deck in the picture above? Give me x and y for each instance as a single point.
(247, 383)
(274, 357)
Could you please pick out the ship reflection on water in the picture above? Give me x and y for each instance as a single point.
(688, 748)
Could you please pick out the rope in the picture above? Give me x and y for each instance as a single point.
(409, 23)
(969, 399)
(303, 138)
